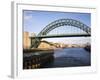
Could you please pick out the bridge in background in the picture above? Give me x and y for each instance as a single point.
(36, 40)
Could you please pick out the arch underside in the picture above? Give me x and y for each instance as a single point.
(59, 23)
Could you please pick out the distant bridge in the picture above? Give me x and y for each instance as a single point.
(52, 44)
(35, 41)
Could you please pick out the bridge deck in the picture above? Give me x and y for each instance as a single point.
(63, 35)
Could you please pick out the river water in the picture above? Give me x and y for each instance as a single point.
(70, 57)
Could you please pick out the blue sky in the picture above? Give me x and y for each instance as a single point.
(35, 21)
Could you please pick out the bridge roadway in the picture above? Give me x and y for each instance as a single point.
(61, 35)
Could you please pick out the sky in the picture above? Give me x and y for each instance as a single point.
(35, 21)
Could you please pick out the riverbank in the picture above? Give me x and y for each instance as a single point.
(37, 50)
(33, 59)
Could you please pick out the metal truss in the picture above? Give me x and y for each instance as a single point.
(59, 23)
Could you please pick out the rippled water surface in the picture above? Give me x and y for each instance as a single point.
(70, 57)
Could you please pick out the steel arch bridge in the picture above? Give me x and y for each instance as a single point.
(35, 41)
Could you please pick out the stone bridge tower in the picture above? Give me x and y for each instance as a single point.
(26, 40)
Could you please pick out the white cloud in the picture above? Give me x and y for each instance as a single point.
(28, 17)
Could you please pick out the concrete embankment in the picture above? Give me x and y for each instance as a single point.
(37, 50)
(36, 58)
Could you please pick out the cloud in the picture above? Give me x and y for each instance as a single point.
(28, 17)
